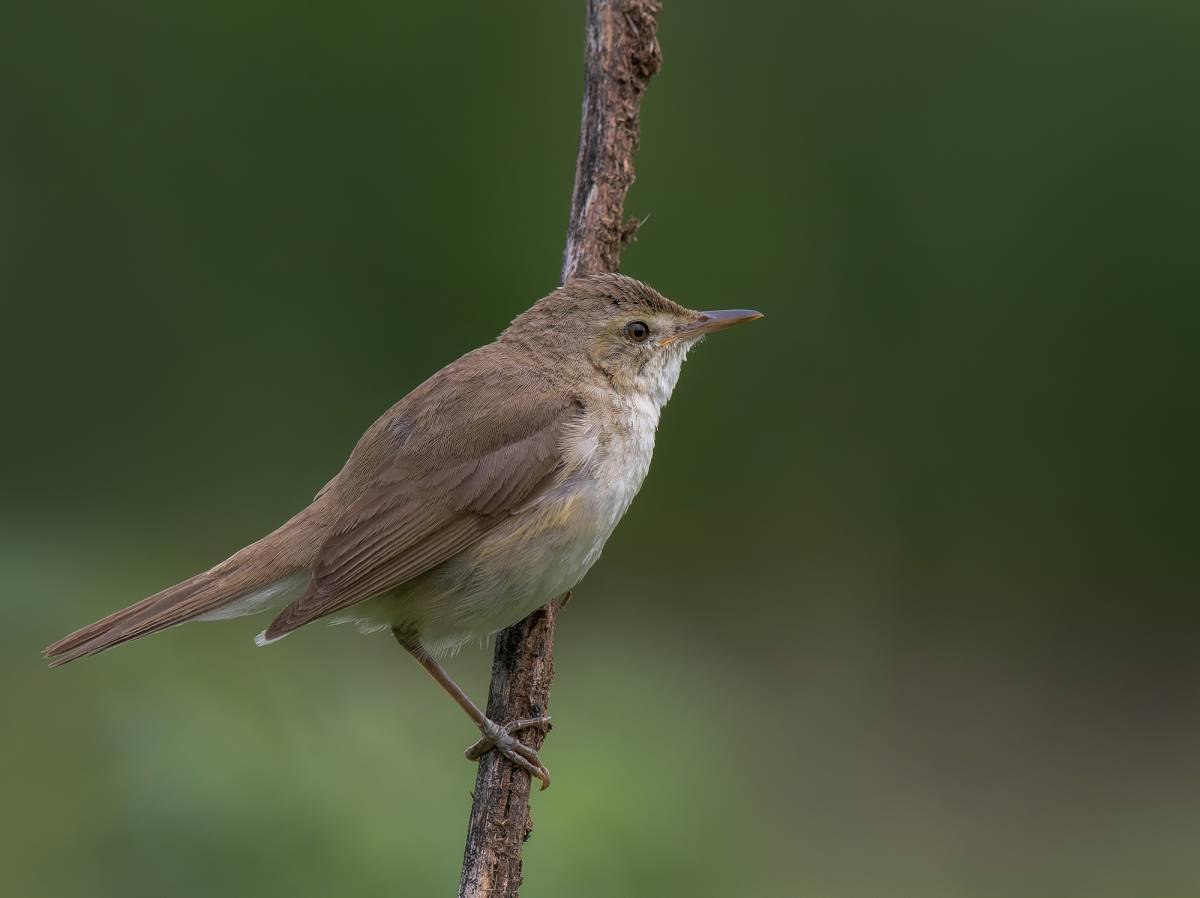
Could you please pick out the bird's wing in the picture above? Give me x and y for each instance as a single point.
(468, 461)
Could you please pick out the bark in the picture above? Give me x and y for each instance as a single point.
(622, 53)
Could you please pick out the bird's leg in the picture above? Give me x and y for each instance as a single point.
(497, 736)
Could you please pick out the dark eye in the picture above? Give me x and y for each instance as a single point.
(637, 331)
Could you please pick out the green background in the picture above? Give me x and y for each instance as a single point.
(907, 606)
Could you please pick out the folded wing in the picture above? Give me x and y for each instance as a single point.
(469, 459)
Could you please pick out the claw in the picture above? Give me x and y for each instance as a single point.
(502, 740)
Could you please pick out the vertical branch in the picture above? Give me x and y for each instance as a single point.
(621, 56)
(622, 53)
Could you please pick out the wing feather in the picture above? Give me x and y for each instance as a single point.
(437, 494)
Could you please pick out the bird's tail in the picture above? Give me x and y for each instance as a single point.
(269, 572)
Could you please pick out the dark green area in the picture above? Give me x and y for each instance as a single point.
(908, 603)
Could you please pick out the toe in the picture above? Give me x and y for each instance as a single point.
(527, 759)
(524, 757)
(531, 765)
(528, 723)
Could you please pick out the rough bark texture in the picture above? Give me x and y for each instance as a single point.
(622, 53)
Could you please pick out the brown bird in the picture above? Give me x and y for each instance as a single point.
(484, 493)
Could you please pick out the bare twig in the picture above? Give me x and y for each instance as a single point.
(622, 54)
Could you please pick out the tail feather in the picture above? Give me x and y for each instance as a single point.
(157, 612)
(271, 569)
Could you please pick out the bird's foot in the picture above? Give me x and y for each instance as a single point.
(501, 738)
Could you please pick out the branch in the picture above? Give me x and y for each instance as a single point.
(622, 54)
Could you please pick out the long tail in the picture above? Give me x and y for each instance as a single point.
(263, 573)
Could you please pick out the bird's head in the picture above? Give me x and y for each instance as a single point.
(620, 329)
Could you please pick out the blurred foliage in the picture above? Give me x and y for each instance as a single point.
(907, 606)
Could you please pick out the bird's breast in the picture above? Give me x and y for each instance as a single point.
(614, 445)
(546, 549)
(608, 458)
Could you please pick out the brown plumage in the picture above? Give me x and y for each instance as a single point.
(437, 493)
(482, 494)
(280, 554)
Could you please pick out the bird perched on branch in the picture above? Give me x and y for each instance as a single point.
(485, 493)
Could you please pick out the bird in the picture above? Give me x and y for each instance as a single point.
(486, 492)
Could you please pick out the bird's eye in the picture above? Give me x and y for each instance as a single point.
(637, 331)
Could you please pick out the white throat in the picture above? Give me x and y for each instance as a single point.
(656, 381)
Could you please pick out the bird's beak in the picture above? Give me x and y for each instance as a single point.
(709, 322)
